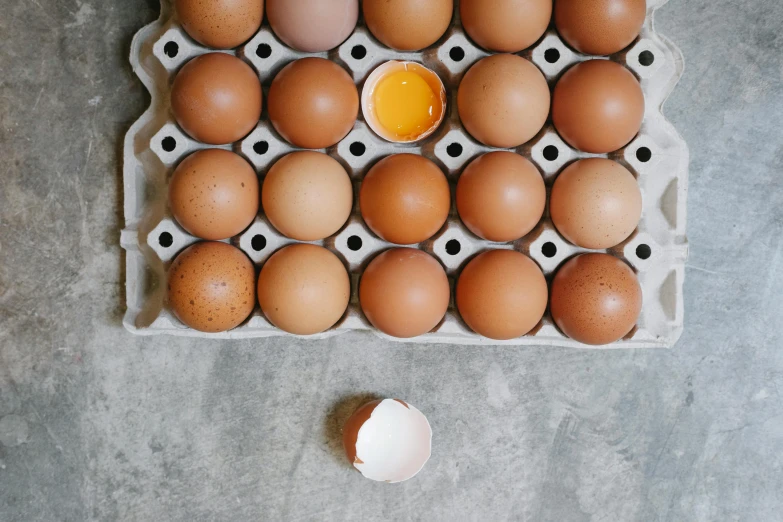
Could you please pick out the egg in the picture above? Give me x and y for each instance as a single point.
(503, 100)
(595, 203)
(598, 106)
(501, 294)
(403, 102)
(599, 27)
(405, 199)
(387, 440)
(221, 24)
(407, 25)
(596, 299)
(501, 196)
(211, 286)
(404, 292)
(507, 26)
(307, 196)
(313, 103)
(303, 289)
(213, 194)
(312, 26)
(216, 98)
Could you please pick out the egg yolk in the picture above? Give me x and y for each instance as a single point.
(406, 105)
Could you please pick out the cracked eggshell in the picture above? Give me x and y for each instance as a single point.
(388, 440)
(386, 69)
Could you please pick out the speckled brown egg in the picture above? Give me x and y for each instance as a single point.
(307, 196)
(596, 299)
(211, 286)
(595, 203)
(407, 25)
(507, 26)
(213, 194)
(501, 294)
(216, 98)
(404, 292)
(303, 289)
(503, 100)
(599, 27)
(405, 199)
(501, 196)
(313, 103)
(222, 24)
(598, 106)
(312, 26)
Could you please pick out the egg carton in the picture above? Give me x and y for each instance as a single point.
(658, 157)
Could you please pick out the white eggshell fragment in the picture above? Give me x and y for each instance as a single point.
(392, 444)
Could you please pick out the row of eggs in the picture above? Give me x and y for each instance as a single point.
(503, 101)
(304, 289)
(599, 27)
(404, 199)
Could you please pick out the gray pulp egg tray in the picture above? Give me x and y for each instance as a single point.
(658, 156)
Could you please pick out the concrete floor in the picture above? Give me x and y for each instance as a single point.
(96, 424)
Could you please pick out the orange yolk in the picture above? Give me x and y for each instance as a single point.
(406, 105)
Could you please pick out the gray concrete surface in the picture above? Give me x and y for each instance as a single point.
(96, 424)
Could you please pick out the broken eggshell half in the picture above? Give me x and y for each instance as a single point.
(388, 440)
(384, 71)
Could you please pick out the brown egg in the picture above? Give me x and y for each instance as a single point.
(600, 26)
(506, 26)
(596, 299)
(407, 25)
(312, 26)
(501, 196)
(598, 106)
(501, 294)
(307, 196)
(503, 100)
(595, 203)
(405, 199)
(313, 103)
(216, 98)
(404, 292)
(222, 24)
(213, 194)
(210, 286)
(303, 289)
